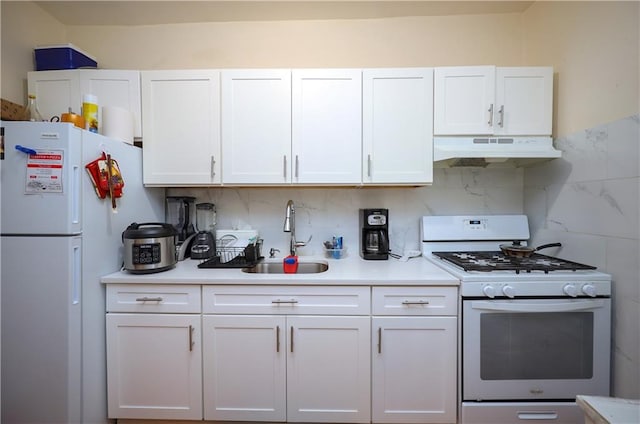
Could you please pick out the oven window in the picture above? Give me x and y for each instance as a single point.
(531, 346)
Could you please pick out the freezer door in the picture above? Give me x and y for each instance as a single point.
(41, 194)
(41, 329)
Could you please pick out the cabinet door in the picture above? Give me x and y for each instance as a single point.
(328, 369)
(154, 367)
(244, 368)
(181, 126)
(327, 126)
(397, 126)
(464, 100)
(414, 369)
(114, 88)
(55, 91)
(524, 101)
(256, 126)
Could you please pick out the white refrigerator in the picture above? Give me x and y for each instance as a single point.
(58, 239)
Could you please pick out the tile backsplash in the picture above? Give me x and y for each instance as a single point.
(588, 201)
(324, 212)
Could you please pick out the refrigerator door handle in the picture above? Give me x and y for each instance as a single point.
(76, 190)
(76, 257)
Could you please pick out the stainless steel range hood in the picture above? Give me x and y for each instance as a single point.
(492, 151)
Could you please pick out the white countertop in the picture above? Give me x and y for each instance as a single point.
(351, 270)
(608, 410)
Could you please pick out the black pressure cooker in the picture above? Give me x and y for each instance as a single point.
(149, 247)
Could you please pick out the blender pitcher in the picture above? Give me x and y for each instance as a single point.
(204, 245)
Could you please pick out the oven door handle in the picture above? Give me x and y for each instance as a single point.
(538, 307)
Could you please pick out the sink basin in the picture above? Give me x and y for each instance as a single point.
(277, 268)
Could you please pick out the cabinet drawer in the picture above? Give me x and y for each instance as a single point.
(286, 300)
(153, 299)
(415, 301)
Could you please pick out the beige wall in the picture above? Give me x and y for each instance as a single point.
(24, 26)
(594, 49)
(415, 41)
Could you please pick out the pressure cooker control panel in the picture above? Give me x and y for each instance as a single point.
(147, 253)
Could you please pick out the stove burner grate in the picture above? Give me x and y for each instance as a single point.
(487, 261)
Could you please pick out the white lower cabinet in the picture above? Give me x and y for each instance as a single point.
(284, 366)
(154, 359)
(414, 355)
(282, 353)
(244, 368)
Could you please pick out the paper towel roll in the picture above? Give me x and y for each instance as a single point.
(117, 123)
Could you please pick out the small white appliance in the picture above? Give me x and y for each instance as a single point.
(535, 331)
(58, 239)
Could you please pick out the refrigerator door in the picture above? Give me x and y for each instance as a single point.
(41, 194)
(41, 329)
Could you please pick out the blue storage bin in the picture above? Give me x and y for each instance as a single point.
(65, 56)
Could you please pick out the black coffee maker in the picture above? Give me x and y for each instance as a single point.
(374, 234)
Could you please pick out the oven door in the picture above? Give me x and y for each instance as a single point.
(535, 348)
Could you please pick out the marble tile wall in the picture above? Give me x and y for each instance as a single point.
(323, 212)
(588, 200)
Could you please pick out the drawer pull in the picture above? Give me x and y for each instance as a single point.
(278, 301)
(149, 299)
(191, 342)
(415, 302)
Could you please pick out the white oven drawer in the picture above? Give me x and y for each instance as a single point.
(278, 300)
(153, 298)
(415, 301)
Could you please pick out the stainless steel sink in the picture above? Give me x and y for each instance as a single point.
(277, 268)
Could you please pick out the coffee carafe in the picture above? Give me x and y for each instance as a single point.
(374, 234)
(204, 244)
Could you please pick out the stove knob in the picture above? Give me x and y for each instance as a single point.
(589, 290)
(489, 291)
(570, 290)
(509, 291)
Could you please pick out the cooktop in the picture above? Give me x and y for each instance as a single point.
(487, 261)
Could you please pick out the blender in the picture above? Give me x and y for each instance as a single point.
(180, 213)
(204, 244)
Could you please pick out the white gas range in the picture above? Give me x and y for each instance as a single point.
(535, 331)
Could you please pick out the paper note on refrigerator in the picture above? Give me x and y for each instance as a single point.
(44, 172)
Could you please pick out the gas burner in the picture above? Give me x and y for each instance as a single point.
(497, 261)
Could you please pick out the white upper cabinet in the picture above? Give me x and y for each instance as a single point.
(256, 126)
(181, 112)
(524, 97)
(327, 126)
(397, 126)
(485, 100)
(57, 91)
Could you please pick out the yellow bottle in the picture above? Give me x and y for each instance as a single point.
(90, 112)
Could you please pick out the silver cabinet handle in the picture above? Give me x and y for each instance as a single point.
(284, 166)
(278, 301)
(297, 166)
(490, 110)
(149, 299)
(369, 166)
(292, 339)
(213, 167)
(501, 113)
(191, 342)
(277, 338)
(379, 339)
(415, 302)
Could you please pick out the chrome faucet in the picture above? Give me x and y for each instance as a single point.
(290, 227)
